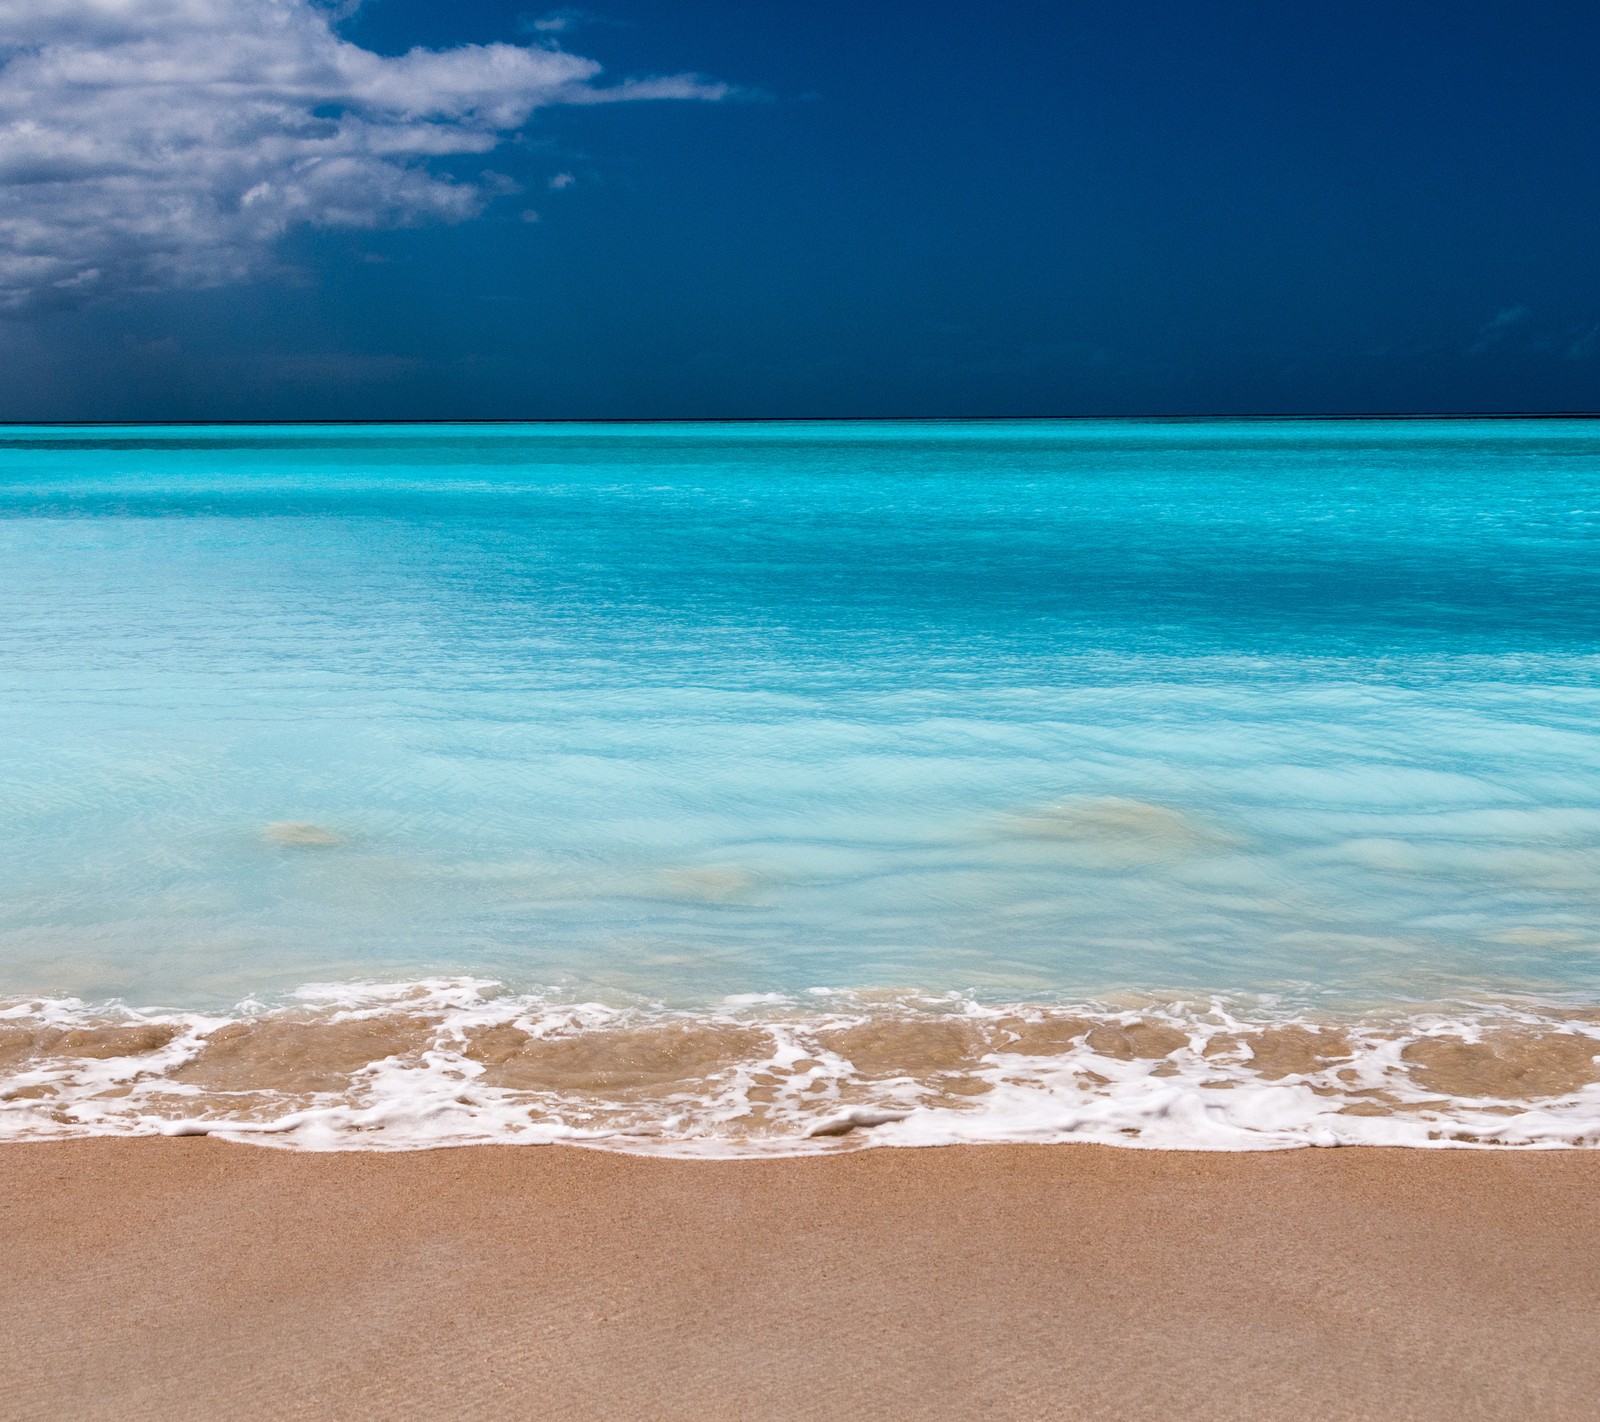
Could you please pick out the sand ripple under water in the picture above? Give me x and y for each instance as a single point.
(460, 1060)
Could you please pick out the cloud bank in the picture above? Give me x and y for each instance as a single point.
(149, 144)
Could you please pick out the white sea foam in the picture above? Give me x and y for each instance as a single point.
(455, 1061)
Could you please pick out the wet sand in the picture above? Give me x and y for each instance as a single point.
(186, 1278)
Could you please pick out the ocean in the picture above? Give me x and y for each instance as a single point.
(738, 788)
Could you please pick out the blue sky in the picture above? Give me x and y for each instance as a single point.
(268, 208)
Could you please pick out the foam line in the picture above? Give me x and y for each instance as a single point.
(455, 1061)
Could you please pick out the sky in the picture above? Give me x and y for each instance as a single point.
(287, 209)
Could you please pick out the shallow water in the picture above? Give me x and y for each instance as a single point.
(732, 729)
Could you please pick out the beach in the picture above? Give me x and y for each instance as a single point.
(732, 713)
(181, 1278)
(848, 919)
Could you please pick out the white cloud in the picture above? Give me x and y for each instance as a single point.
(555, 22)
(167, 143)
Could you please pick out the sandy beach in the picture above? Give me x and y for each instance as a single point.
(186, 1278)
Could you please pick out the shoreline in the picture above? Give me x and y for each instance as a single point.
(454, 1062)
(193, 1278)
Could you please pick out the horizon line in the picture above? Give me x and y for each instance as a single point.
(809, 419)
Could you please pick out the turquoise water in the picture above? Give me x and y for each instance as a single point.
(1027, 710)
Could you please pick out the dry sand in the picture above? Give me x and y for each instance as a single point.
(193, 1279)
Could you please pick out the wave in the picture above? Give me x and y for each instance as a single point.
(456, 1061)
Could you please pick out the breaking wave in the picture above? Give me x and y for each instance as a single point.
(456, 1061)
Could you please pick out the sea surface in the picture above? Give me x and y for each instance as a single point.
(759, 787)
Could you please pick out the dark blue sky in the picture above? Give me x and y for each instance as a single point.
(928, 208)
